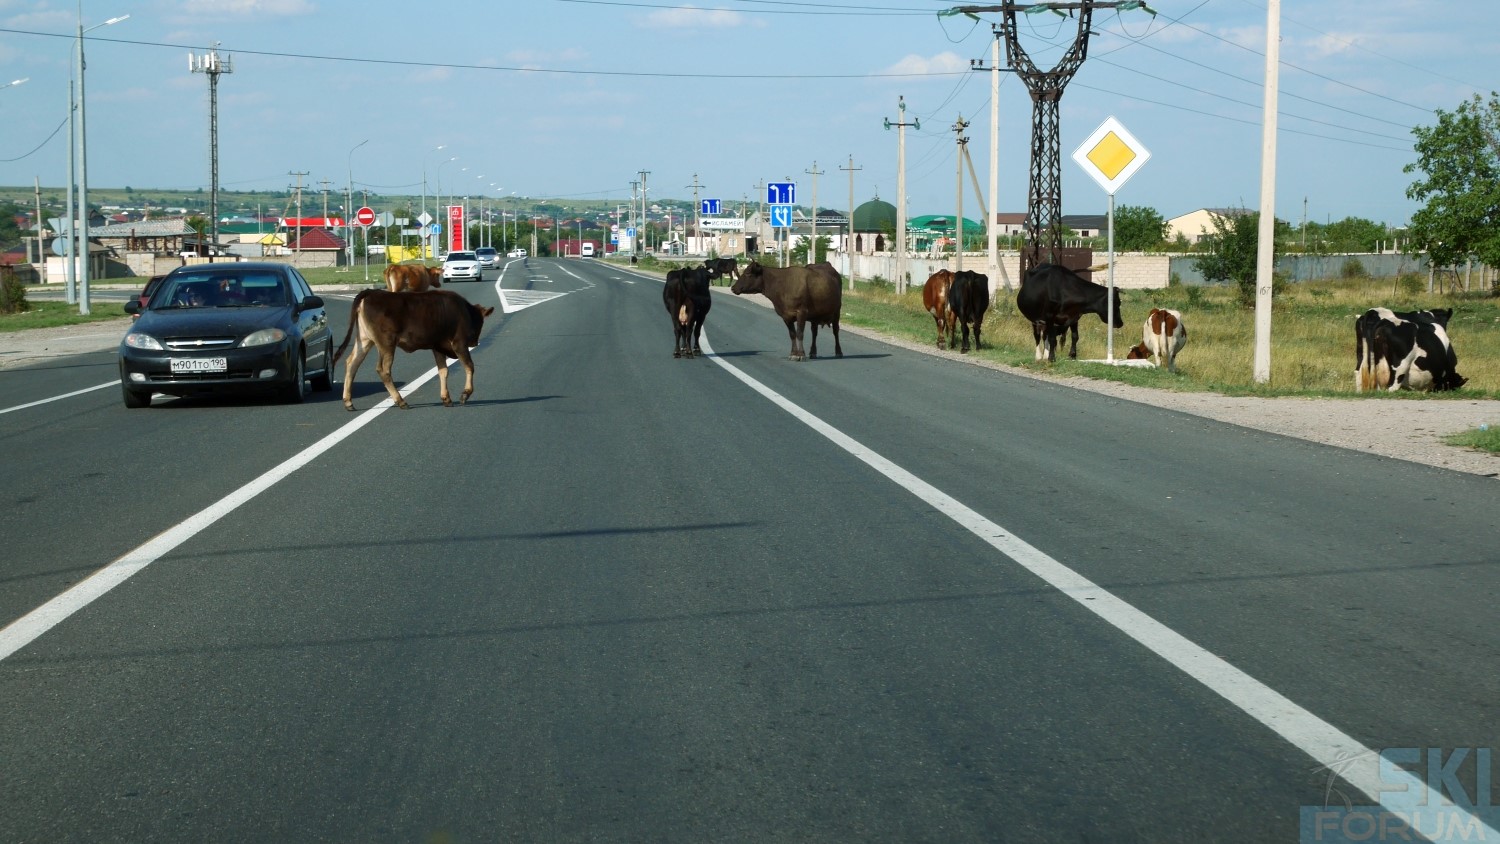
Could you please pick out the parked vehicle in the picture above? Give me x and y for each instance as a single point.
(462, 266)
(227, 328)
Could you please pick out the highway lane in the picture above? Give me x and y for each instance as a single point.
(621, 595)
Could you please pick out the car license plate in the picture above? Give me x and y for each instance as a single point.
(180, 365)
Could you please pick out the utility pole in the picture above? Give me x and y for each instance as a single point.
(325, 184)
(958, 231)
(1265, 252)
(901, 125)
(635, 242)
(298, 188)
(849, 243)
(213, 65)
(760, 187)
(643, 174)
(812, 245)
(991, 223)
(698, 208)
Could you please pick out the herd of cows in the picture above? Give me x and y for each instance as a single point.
(1393, 350)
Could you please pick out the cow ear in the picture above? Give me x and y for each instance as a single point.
(487, 311)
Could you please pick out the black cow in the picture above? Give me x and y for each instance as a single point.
(1396, 350)
(688, 300)
(1053, 298)
(444, 322)
(720, 267)
(968, 299)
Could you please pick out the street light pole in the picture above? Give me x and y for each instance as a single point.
(83, 165)
(349, 208)
(422, 239)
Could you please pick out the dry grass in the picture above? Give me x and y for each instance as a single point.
(1312, 334)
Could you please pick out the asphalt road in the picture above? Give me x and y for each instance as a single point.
(620, 596)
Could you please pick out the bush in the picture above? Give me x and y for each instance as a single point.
(1353, 268)
(1410, 284)
(12, 294)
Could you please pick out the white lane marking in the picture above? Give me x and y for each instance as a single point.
(114, 383)
(24, 630)
(1396, 789)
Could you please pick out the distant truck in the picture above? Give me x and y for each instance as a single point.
(586, 250)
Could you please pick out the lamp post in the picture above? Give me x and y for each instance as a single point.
(349, 208)
(439, 200)
(83, 164)
(423, 230)
(15, 82)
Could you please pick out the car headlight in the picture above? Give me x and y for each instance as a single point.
(136, 340)
(263, 337)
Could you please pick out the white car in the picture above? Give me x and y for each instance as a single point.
(462, 266)
(516, 253)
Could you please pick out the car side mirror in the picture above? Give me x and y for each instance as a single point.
(133, 307)
(310, 302)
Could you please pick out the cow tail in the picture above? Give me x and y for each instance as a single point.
(353, 321)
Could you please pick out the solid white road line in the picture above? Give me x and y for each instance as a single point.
(1396, 789)
(27, 628)
(114, 383)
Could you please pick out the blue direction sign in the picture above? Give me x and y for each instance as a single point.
(708, 206)
(781, 193)
(630, 231)
(781, 216)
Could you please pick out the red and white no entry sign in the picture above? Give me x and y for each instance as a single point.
(365, 216)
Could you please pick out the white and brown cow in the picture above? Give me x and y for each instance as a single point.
(1396, 350)
(439, 320)
(1162, 336)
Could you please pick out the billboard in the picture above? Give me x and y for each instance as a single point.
(456, 228)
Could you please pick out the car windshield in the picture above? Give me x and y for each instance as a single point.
(486, 252)
(460, 256)
(222, 290)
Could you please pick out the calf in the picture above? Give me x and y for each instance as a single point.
(1162, 336)
(439, 320)
(1397, 350)
(720, 267)
(412, 277)
(803, 295)
(935, 300)
(687, 297)
(968, 299)
(1053, 298)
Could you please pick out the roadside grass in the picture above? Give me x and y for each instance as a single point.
(57, 314)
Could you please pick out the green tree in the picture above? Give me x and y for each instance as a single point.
(1459, 163)
(799, 252)
(10, 233)
(1353, 234)
(1138, 228)
(1233, 252)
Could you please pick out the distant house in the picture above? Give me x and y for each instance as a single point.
(314, 240)
(1195, 225)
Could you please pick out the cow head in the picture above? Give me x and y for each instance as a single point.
(752, 279)
(1138, 352)
(476, 320)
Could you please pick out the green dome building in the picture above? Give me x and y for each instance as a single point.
(872, 221)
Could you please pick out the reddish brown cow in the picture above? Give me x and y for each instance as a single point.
(412, 277)
(935, 300)
(439, 320)
(1163, 336)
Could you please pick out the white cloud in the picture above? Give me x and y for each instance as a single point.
(689, 17)
(941, 63)
(248, 8)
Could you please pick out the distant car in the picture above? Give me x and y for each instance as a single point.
(516, 253)
(227, 328)
(489, 257)
(462, 266)
(145, 294)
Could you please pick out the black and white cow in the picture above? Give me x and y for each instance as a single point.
(1395, 350)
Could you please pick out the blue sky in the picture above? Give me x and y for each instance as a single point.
(570, 99)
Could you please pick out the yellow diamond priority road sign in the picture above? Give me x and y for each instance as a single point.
(1111, 155)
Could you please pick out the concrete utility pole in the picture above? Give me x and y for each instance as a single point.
(325, 183)
(298, 188)
(697, 208)
(642, 229)
(812, 245)
(1265, 253)
(213, 65)
(958, 227)
(635, 242)
(849, 243)
(760, 187)
(901, 125)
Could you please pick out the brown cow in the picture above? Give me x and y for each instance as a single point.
(413, 277)
(801, 295)
(440, 320)
(1163, 336)
(935, 300)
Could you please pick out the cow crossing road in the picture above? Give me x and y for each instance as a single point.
(623, 596)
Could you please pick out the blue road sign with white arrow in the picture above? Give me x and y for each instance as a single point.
(781, 193)
(781, 216)
(708, 206)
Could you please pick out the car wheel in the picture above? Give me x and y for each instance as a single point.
(136, 398)
(295, 391)
(323, 383)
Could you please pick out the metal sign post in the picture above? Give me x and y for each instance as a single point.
(1111, 156)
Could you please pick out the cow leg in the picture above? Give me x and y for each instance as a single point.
(468, 362)
(965, 348)
(977, 323)
(441, 359)
(383, 367)
(794, 330)
(351, 366)
(838, 350)
(1073, 351)
(1040, 335)
(813, 352)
